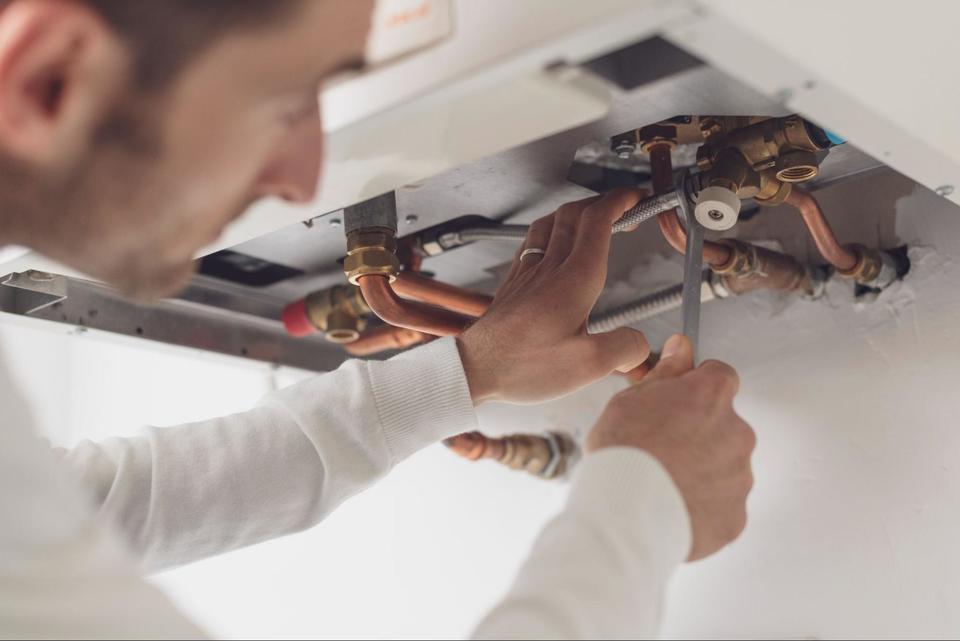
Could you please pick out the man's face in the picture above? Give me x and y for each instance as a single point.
(165, 172)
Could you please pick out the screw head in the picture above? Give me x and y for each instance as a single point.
(335, 222)
(624, 149)
(944, 190)
(411, 219)
(715, 215)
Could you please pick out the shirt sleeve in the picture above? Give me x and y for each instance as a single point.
(601, 568)
(183, 493)
(62, 574)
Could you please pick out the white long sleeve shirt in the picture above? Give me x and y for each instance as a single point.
(79, 526)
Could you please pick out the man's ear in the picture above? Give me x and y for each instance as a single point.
(61, 68)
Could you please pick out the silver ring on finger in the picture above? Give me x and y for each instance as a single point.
(533, 251)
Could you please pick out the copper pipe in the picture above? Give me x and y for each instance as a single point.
(661, 176)
(547, 456)
(757, 268)
(392, 309)
(823, 236)
(383, 338)
(427, 290)
(474, 446)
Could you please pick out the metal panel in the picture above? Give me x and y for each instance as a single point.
(183, 323)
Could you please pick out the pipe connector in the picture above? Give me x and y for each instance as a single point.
(742, 259)
(547, 456)
(337, 312)
(750, 268)
(874, 268)
(371, 251)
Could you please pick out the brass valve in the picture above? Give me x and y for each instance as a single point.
(337, 312)
(760, 160)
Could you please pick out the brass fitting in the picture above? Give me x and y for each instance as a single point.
(547, 456)
(868, 267)
(371, 251)
(751, 267)
(731, 171)
(658, 134)
(337, 312)
(772, 190)
(773, 153)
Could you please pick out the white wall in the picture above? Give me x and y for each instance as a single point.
(854, 519)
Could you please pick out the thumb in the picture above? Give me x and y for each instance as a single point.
(622, 350)
(675, 359)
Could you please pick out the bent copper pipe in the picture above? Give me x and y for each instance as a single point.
(392, 309)
(427, 290)
(386, 337)
(661, 176)
(823, 236)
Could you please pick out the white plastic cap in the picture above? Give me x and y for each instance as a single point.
(717, 208)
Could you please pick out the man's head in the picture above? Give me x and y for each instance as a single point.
(131, 132)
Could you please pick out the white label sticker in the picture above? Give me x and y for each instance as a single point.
(401, 27)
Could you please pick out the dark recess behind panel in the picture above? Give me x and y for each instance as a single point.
(245, 270)
(643, 63)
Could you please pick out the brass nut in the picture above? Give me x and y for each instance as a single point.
(367, 261)
(372, 237)
(772, 190)
(868, 266)
(653, 135)
(371, 251)
(742, 259)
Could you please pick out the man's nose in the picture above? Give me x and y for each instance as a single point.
(293, 171)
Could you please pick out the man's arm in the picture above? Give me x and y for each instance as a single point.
(183, 493)
(666, 479)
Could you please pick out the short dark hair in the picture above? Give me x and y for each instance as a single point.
(165, 34)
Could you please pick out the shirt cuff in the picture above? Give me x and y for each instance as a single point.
(627, 488)
(422, 397)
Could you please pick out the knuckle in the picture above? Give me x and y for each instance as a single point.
(749, 436)
(614, 202)
(719, 377)
(623, 400)
(637, 341)
(738, 523)
(539, 226)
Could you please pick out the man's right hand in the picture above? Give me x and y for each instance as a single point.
(684, 417)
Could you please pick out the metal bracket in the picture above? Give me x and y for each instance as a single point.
(31, 291)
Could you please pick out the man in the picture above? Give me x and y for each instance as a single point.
(131, 133)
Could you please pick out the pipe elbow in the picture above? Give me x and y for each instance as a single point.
(843, 258)
(390, 308)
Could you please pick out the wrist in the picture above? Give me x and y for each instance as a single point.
(478, 369)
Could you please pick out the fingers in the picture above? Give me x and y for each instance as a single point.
(676, 358)
(719, 377)
(578, 231)
(592, 244)
(538, 236)
(567, 220)
(623, 350)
